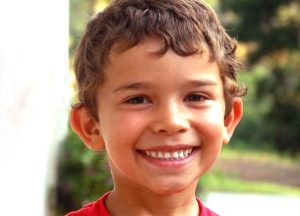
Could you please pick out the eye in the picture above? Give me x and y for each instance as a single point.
(195, 98)
(138, 100)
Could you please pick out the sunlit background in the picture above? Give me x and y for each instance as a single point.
(258, 173)
(35, 94)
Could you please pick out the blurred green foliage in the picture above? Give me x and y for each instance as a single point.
(83, 175)
(270, 30)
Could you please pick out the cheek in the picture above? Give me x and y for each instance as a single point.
(121, 129)
(211, 120)
(210, 126)
(211, 135)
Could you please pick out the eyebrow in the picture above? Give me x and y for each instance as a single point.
(200, 83)
(190, 83)
(131, 86)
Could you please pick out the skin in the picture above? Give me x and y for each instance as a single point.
(151, 103)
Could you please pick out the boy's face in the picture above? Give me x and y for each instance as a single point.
(161, 118)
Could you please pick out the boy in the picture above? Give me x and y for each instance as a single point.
(158, 91)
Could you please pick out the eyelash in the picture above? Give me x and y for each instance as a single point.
(144, 100)
(138, 100)
(195, 98)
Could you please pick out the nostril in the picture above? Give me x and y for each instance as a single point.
(171, 121)
(172, 130)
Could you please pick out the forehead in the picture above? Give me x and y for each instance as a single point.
(149, 45)
(142, 62)
(153, 47)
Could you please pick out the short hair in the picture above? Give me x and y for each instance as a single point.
(184, 26)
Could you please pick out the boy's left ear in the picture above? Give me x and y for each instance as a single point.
(233, 119)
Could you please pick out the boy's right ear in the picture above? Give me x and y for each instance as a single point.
(86, 127)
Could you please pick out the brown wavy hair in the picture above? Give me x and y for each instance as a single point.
(181, 24)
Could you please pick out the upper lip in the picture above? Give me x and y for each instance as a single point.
(169, 147)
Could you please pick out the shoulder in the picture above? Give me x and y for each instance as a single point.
(92, 209)
(204, 211)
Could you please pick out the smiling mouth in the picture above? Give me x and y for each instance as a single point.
(169, 155)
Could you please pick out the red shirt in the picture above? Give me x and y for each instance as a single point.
(98, 208)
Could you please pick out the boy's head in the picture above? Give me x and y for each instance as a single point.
(186, 27)
(157, 84)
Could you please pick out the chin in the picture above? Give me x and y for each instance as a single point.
(170, 188)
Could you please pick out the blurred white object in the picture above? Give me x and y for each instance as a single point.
(34, 98)
(236, 204)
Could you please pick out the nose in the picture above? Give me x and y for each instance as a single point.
(170, 119)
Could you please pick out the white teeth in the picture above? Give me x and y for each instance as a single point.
(160, 155)
(153, 154)
(181, 155)
(175, 155)
(167, 155)
(186, 153)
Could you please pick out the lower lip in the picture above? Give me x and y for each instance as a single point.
(171, 164)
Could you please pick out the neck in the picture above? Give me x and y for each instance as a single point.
(124, 201)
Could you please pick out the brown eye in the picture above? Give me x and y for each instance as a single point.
(195, 97)
(138, 100)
